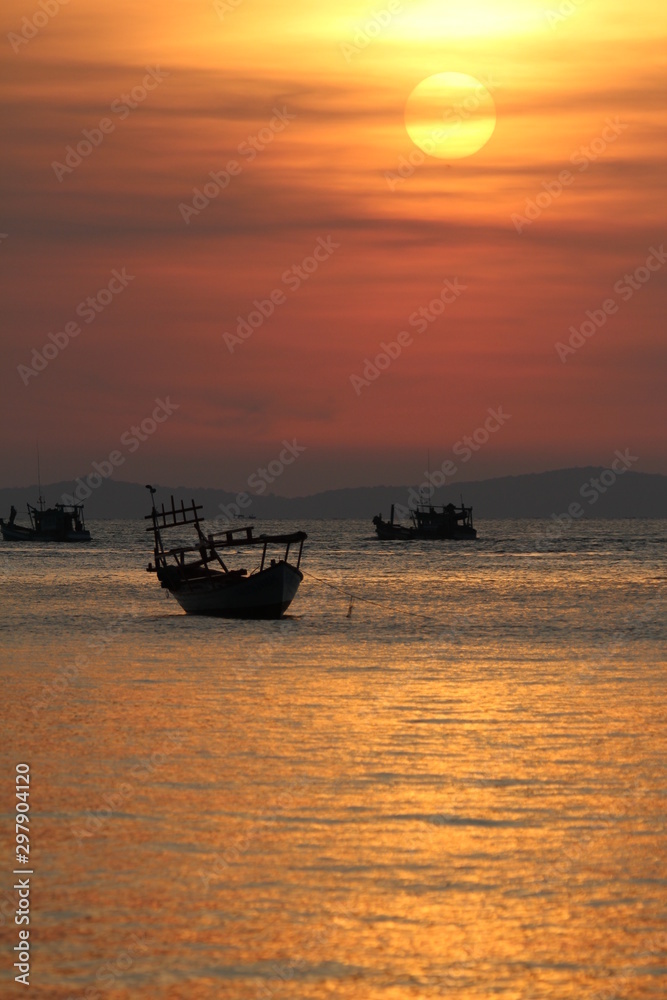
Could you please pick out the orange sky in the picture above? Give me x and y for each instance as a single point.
(326, 87)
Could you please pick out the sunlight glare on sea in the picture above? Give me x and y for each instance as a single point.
(454, 788)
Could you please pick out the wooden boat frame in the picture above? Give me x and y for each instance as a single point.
(195, 583)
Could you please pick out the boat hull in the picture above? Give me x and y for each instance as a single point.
(391, 532)
(17, 533)
(386, 531)
(263, 595)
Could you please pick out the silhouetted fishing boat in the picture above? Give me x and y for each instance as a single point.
(429, 522)
(62, 523)
(205, 585)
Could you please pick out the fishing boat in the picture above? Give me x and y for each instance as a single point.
(428, 522)
(202, 582)
(62, 523)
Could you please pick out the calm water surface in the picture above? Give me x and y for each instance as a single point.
(457, 790)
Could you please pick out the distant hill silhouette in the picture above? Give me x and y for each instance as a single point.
(633, 494)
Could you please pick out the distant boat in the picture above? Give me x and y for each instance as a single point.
(429, 522)
(205, 585)
(62, 523)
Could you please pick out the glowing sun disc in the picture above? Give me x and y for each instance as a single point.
(450, 115)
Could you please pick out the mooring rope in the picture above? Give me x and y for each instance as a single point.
(368, 600)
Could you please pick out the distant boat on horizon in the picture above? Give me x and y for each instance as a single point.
(429, 522)
(62, 523)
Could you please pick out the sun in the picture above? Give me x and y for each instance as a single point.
(450, 115)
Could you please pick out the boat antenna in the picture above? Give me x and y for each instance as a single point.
(426, 494)
(40, 498)
(152, 491)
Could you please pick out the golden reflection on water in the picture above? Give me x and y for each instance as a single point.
(447, 836)
(307, 810)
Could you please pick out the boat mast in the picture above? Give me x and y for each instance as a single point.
(158, 548)
(425, 495)
(40, 498)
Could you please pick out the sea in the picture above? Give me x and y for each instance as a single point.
(441, 775)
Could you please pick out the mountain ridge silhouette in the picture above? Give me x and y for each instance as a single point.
(539, 494)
